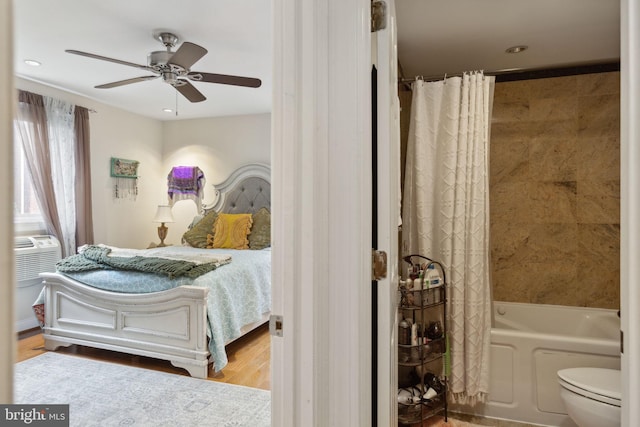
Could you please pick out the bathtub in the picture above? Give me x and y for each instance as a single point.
(529, 344)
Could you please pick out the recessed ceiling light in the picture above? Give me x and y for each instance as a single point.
(32, 62)
(167, 110)
(517, 49)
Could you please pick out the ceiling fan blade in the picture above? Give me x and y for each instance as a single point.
(117, 61)
(190, 92)
(126, 82)
(187, 55)
(224, 79)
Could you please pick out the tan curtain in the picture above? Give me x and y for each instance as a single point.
(84, 214)
(31, 127)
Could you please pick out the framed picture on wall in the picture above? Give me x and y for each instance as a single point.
(123, 168)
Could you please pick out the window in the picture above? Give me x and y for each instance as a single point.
(26, 210)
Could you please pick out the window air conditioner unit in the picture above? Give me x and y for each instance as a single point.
(33, 255)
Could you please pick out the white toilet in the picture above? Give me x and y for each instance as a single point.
(591, 396)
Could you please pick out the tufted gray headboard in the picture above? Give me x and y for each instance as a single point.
(246, 190)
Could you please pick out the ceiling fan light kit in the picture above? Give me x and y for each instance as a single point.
(174, 68)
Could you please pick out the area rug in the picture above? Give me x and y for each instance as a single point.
(109, 394)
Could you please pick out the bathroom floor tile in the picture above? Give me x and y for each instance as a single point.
(474, 420)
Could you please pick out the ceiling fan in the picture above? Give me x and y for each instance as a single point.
(174, 68)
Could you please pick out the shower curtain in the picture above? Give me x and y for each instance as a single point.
(446, 214)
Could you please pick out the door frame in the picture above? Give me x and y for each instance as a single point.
(385, 59)
(7, 267)
(630, 208)
(321, 227)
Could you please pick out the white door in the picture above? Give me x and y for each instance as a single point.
(387, 129)
(322, 129)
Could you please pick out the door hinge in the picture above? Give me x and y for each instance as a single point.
(275, 325)
(378, 264)
(378, 15)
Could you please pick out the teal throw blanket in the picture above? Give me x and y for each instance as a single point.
(97, 257)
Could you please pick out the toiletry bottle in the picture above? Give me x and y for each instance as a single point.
(434, 276)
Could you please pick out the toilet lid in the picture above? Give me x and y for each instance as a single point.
(598, 384)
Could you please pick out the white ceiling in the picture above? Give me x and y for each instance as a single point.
(434, 37)
(236, 33)
(451, 36)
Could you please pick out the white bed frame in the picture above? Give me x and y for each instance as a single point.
(169, 325)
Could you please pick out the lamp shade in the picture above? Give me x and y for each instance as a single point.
(163, 214)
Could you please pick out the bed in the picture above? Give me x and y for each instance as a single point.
(185, 321)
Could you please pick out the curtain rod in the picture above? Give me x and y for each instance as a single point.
(441, 76)
(91, 110)
(530, 73)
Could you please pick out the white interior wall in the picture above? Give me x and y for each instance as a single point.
(118, 133)
(124, 222)
(218, 146)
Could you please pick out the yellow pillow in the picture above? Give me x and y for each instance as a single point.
(230, 231)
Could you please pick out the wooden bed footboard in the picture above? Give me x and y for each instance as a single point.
(169, 325)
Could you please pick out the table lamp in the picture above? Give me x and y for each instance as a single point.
(163, 215)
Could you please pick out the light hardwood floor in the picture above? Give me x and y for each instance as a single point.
(249, 358)
(249, 364)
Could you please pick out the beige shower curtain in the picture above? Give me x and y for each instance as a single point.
(446, 214)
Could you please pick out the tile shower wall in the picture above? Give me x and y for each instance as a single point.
(555, 190)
